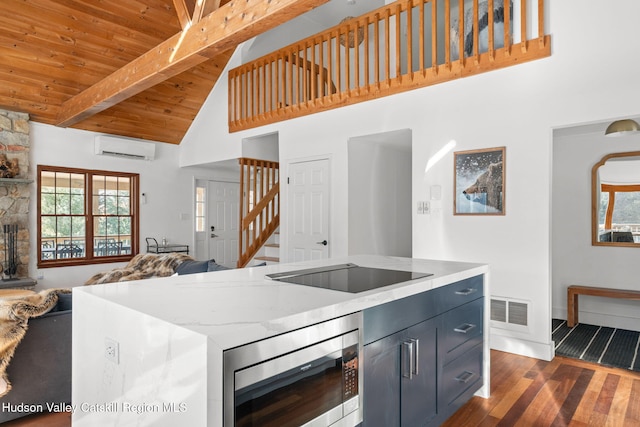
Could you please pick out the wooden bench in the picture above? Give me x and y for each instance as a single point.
(574, 290)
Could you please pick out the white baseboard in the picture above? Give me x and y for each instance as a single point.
(522, 347)
(600, 319)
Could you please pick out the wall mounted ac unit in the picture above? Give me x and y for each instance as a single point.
(128, 148)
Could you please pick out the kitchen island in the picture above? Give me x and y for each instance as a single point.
(150, 352)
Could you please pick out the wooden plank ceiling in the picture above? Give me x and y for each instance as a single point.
(136, 68)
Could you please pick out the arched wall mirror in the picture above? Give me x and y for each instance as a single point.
(615, 200)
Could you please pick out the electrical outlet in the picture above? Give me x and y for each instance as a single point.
(112, 350)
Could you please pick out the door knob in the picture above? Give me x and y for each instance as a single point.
(214, 235)
(323, 243)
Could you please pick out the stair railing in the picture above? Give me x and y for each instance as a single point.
(259, 205)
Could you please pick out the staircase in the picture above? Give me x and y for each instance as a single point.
(259, 211)
(270, 251)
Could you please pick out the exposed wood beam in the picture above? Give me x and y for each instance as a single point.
(197, 12)
(183, 13)
(223, 29)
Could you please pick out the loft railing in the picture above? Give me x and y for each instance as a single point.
(259, 205)
(400, 46)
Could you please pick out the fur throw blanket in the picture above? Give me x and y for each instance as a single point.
(142, 266)
(14, 314)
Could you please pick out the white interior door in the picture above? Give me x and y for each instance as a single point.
(308, 215)
(223, 220)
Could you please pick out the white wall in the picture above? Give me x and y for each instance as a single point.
(590, 76)
(575, 261)
(379, 183)
(168, 211)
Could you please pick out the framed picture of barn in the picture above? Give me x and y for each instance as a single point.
(479, 182)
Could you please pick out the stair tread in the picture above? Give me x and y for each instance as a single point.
(268, 258)
(273, 245)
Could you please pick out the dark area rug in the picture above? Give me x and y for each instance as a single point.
(613, 347)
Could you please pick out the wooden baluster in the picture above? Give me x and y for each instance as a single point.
(461, 50)
(410, 39)
(255, 191)
(376, 50)
(240, 213)
(264, 86)
(476, 50)
(507, 27)
(367, 80)
(387, 47)
(338, 65)
(356, 49)
(490, 35)
(320, 75)
(330, 66)
(306, 73)
(398, 32)
(231, 97)
(347, 60)
(447, 34)
(541, 23)
(421, 39)
(523, 25)
(434, 35)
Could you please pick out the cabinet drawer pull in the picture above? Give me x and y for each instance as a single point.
(466, 292)
(407, 360)
(463, 329)
(410, 359)
(465, 377)
(416, 356)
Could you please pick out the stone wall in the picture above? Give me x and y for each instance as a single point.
(14, 195)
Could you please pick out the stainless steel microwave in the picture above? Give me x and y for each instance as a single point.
(308, 377)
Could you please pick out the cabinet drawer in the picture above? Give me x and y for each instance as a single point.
(462, 376)
(462, 329)
(458, 293)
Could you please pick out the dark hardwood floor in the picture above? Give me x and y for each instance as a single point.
(524, 392)
(562, 392)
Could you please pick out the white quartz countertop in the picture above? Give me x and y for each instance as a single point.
(234, 307)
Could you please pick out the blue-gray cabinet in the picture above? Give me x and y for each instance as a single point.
(423, 355)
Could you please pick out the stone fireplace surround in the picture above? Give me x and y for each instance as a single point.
(16, 192)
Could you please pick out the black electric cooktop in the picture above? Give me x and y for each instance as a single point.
(347, 277)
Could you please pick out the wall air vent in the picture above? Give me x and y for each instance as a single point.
(498, 310)
(509, 314)
(125, 148)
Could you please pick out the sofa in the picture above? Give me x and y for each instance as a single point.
(40, 370)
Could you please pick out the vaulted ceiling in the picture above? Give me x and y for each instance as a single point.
(137, 68)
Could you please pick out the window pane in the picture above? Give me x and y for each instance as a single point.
(64, 227)
(124, 205)
(199, 224)
(99, 205)
(100, 226)
(77, 204)
(111, 205)
(125, 226)
(48, 204)
(124, 186)
(63, 204)
(78, 226)
(47, 182)
(99, 184)
(63, 182)
(77, 183)
(48, 226)
(112, 226)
